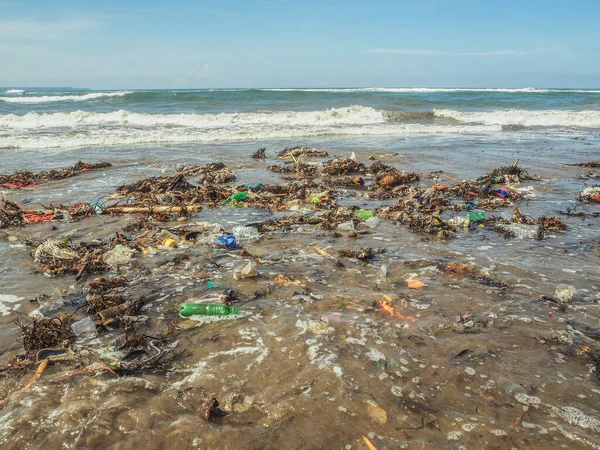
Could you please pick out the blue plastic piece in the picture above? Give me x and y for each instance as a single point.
(227, 241)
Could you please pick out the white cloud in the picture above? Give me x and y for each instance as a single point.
(421, 52)
(206, 69)
(11, 30)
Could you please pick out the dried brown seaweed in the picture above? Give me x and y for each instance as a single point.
(300, 151)
(26, 178)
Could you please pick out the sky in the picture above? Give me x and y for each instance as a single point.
(277, 43)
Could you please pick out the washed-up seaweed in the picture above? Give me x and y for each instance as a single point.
(391, 179)
(307, 152)
(25, 178)
(201, 170)
(342, 166)
(472, 191)
(589, 165)
(10, 214)
(106, 293)
(224, 175)
(472, 271)
(356, 182)
(362, 254)
(59, 257)
(156, 185)
(303, 169)
(259, 154)
(545, 223)
(47, 333)
(507, 174)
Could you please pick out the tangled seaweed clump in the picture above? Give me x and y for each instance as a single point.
(300, 151)
(26, 178)
(506, 174)
(342, 166)
(44, 333)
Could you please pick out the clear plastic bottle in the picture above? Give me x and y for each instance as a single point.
(246, 234)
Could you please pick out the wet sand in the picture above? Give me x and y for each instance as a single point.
(477, 366)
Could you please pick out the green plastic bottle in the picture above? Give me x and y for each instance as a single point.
(476, 216)
(363, 214)
(206, 309)
(237, 197)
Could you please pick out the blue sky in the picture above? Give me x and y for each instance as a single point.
(278, 43)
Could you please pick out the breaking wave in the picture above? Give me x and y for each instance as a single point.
(525, 118)
(87, 129)
(63, 98)
(351, 115)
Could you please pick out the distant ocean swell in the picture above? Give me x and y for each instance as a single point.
(85, 129)
(24, 99)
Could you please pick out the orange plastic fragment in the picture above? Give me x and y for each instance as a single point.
(415, 284)
(36, 218)
(395, 313)
(368, 442)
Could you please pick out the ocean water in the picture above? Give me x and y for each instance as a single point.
(67, 119)
(321, 374)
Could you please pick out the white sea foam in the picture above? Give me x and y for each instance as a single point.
(417, 90)
(87, 129)
(526, 118)
(336, 116)
(109, 136)
(90, 129)
(62, 98)
(14, 91)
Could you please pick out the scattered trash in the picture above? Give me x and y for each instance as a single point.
(206, 309)
(363, 214)
(120, 256)
(249, 271)
(237, 197)
(227, 241)
(590, 194)
(415, 284)
(346, 226)
(368, 442)
(565, 292)
(476, 216)
(395, 313)
(245, 235)
(169, 243)
(84, 328)
(371, 222)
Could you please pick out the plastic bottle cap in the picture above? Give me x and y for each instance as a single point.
(169, 242)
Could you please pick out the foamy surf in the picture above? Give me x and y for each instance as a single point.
(89, 129)
(14, 91)
(62, 98)
(335, 116)
(126, 128)
(525, 118)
